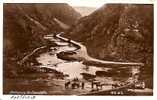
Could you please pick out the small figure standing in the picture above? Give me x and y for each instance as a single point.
(67, 84)
(92, 84)
(83, 84)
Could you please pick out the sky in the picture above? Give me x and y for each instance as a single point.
(84, 11)
(87, 3)
(91, 5)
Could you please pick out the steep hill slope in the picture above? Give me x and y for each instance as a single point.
(26, 24)
(119, 32)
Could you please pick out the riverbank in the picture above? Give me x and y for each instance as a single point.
(82, 52)
(90, 61)
(52, 70)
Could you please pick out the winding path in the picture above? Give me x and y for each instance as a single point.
(83, 52)
(30, 54)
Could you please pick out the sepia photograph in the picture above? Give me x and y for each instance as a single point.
(65, 49)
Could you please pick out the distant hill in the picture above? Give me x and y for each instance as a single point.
(119, 32)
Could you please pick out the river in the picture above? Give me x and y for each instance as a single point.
(48, 83)
(72, 68)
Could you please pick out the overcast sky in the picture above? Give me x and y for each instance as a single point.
(87, 3)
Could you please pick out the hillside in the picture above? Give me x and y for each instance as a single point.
(26, 24)
(118, 32)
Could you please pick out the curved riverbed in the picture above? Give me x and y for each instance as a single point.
(48, 83)
(71, 68)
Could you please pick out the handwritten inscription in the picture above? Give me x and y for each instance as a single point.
(22, 97)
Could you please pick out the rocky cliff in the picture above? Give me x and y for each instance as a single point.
(118, 32)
